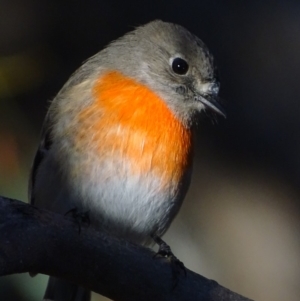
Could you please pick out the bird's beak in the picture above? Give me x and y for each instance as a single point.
(208, 95)
(210, 101)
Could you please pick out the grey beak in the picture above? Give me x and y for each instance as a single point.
(210, 102)
(209, 95)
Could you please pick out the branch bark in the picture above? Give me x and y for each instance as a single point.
(38, 241)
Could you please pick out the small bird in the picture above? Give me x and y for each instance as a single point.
(117, 140)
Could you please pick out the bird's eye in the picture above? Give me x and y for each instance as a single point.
(180, 66)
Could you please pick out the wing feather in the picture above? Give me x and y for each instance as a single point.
(43, 149)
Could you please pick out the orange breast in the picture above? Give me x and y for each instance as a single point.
(127, 119)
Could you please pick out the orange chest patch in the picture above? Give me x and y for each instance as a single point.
(127, 119)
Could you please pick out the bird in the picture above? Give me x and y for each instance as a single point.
(117, 140)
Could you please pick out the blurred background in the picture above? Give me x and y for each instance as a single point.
(240, 222)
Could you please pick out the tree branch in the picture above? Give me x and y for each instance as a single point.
(39, 241)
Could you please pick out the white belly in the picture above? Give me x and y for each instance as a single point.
(126, 205)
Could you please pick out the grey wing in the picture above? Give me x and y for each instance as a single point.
(43, 149)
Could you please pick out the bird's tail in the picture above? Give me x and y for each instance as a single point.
(62, 290)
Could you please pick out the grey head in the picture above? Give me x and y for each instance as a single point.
(171, 61)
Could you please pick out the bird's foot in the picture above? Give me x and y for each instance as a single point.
(79, 217)
(164, 250)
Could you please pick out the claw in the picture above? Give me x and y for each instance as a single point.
(80, 217)
(164, 250)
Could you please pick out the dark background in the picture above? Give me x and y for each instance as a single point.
(239, 224)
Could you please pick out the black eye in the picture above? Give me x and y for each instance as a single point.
(180, 66)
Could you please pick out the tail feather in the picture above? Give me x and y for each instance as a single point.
(62, 290)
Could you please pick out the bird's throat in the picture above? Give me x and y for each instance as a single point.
(128, 119)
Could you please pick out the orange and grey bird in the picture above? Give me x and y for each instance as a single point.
(118, 138)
